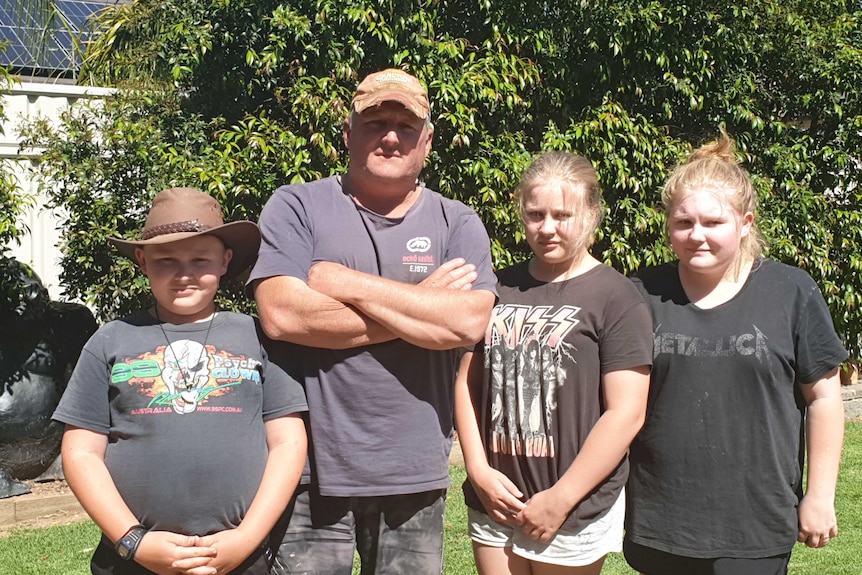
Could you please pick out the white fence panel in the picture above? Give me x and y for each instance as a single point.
(27, 101)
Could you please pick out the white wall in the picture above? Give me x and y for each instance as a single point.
(26, 101)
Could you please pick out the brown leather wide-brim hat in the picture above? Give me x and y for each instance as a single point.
(181, 213)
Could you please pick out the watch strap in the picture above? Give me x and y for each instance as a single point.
(127, 545)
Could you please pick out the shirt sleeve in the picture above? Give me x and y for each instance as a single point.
(287, 245)
(627, 337)
(469, 240)
(282, 394)
(818, 348)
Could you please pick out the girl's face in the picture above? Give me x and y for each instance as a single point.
(706, 233)
(552, 228)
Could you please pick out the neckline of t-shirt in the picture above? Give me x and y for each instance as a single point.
(758, 263)
(363, 210)
(573, 279)
(220, 318)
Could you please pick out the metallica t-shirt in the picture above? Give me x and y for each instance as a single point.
(717, 468)
(545, 351)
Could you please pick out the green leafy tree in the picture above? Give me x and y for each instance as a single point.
(243, 96)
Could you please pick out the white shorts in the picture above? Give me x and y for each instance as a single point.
(568, 548)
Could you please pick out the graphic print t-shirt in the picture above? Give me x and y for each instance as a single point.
(545, 351)
(717, 468)
(184, 413)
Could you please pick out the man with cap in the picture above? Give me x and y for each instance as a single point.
(377, 281)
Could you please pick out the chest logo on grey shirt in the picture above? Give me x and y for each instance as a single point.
(419, 244)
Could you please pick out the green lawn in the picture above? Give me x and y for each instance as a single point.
(66, 550)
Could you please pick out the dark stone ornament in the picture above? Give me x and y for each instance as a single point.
(40, 342)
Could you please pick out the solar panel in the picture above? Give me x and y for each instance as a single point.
(45, 45)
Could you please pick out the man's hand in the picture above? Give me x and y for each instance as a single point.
(442, 312)
(455, 274)
(332, 279)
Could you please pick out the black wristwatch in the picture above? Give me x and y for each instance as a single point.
(128, 543)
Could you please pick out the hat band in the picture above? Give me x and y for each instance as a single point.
(175, 228)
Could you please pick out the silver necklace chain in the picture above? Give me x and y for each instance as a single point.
(174, 353)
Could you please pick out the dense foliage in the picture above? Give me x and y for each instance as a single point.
(240, 96)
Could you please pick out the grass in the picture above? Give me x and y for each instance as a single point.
(66, 549)
(54, 550)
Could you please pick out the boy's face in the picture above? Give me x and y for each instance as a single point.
(184, 276)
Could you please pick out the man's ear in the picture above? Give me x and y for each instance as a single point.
(345, 132)
(428, 139)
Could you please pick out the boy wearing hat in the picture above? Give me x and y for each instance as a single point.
(183, 441)
(379, 279)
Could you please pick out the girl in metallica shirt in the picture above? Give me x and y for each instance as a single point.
(547, 405)
(745, 352)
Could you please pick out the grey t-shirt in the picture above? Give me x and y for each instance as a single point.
(380, 415)
(185, 421)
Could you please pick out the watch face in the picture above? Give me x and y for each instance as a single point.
(124, 548)
(128, 543)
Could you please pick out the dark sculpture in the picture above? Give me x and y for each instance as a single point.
(40, 341)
